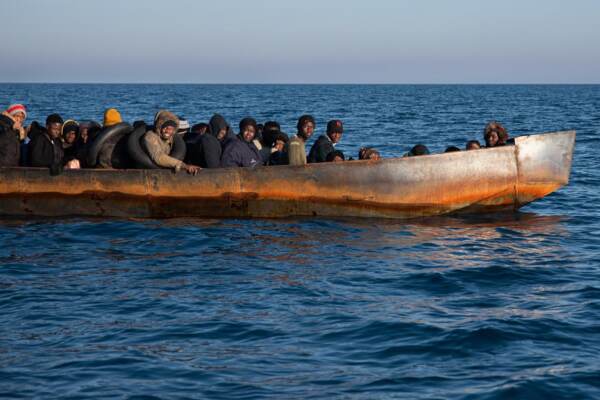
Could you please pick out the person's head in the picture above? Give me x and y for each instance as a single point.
(279, 141)
(418, 150)
(200, 129)
(93, 131)
(270, 130)
(335, 129)
(70, 132)
(368, 153)
(451, 149)
(54, 124)
(271, 126)
(166, 124)
(84, 128)
(306, 126)
(473, 145)
(17, 112)
(495, 134)
(248, 129)
(218, 127)
(259, 132)
(335, 156)
(168, 129)
(183, 127)
(112, 117)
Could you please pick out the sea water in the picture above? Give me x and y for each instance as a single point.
(493, 306)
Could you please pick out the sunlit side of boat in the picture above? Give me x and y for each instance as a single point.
(486, 180)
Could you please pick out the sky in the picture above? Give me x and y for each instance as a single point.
(301, 41)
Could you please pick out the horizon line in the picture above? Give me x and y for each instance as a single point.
(307, 83)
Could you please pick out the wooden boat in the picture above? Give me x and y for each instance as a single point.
(501, 178)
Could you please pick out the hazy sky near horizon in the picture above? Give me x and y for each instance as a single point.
(308, 41)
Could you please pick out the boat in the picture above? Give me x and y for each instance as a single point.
(485, 180)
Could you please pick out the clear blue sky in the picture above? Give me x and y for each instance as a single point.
(306, 41)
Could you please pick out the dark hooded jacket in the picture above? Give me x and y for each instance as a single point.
(71, 151)
(10, 145)
(207, 150)
(46, 152)
(79, 150)
(239, 153)
(320, 149)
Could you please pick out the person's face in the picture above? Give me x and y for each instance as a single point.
(248, 133)
(54, 129)
(492, 139)
(70, 137)
(374, 156)
(200, 131)
(222, 133)
(84, 134)
(19, 117)
(279, 145)
(473, 146)
(335, 137)
(338, 159)
(308, 129)
(167, 132)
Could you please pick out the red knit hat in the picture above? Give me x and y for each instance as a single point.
(15, 109)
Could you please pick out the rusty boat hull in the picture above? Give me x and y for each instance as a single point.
(486, 180)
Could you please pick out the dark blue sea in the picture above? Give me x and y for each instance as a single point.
(485, 307)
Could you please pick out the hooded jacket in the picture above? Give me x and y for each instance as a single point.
(158, 148)
(239, 153)
(207, 150)
(320, 149)
(10, 146)
(70, 150)
(46, 152)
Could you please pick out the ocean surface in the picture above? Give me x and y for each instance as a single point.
(487, 307)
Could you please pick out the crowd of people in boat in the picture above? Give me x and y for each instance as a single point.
(170, 142)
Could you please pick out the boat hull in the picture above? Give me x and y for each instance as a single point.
(503, 178)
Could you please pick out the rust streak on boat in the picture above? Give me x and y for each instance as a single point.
(484, 180)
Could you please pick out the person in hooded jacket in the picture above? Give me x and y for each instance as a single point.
(270, 130)
(159, 143)
(45, 148)
(88, 130)
(195, 132)
(278, 155)
(11, 134)
(267, 145)
(70, 135)
(241, 151)
(325, 144)
(206, 151)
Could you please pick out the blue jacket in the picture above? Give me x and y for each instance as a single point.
(239, 153)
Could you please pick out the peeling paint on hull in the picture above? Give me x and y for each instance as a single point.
(486, 180)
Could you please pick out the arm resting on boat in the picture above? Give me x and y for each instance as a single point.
(157, 153)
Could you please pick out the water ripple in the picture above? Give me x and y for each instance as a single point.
(486, 307)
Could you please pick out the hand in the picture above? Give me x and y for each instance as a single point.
(22, 133)
(73, 164)
(192, 169)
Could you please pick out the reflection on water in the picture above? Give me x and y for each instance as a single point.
(237, 301)
(453, 241)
